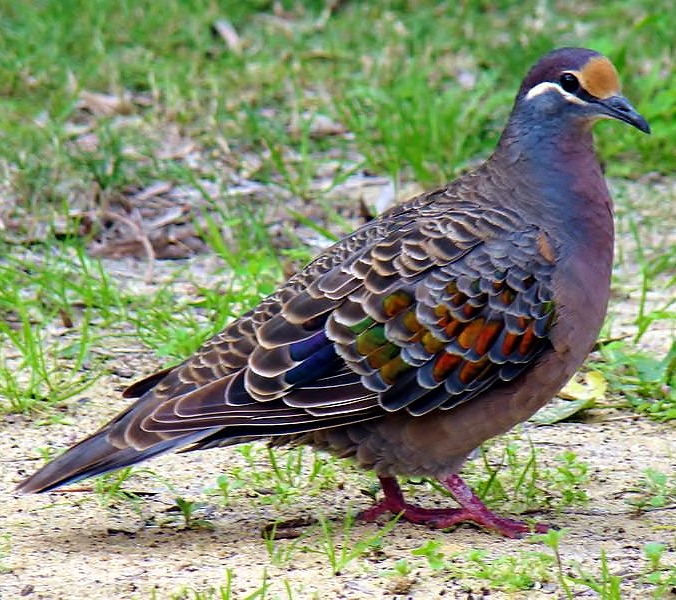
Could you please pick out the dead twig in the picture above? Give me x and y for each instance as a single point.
(140, 234)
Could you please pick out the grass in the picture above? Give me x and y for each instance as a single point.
(509, 475)
(57, 306)
(654, 490)
(425, 105)
(277, 477)
(272, 143)
(226, 591)
(427, 102)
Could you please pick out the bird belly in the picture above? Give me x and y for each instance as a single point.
(438, 443)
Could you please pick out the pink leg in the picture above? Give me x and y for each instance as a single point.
(471, 509)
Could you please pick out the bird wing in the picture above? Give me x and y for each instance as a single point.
(422, 310)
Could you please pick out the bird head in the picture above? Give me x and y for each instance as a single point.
(576, 85)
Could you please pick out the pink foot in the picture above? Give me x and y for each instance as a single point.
(472, 509)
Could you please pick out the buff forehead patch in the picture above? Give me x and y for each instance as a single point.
(599, 77)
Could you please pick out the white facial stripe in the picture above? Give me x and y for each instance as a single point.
(546, 86)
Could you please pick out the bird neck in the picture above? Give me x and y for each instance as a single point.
(549, 145)
(561, 188)
(558, 163)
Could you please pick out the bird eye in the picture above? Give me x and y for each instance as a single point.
(569, 83)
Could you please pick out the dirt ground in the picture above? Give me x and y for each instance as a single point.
(67, 546)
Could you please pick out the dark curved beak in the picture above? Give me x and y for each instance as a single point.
(618, 107)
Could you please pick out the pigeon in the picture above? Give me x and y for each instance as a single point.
(442, 323)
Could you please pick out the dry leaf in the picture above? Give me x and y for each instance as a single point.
(105, 105)
(592, 387)
(228, 34)
(576, 397)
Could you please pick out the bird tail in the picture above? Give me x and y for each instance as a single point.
(93, 456)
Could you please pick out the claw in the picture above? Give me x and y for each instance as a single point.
(472, 510)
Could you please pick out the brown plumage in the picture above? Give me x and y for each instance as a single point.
(444, 322)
